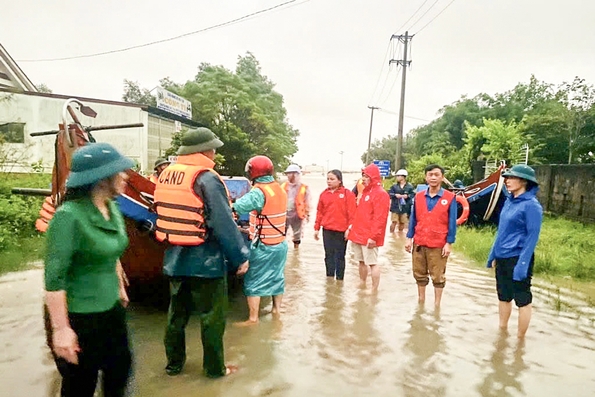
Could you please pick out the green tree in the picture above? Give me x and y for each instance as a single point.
(244, 110)
(135, 94)
(495, 139)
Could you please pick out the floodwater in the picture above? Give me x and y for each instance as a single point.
(337, 339)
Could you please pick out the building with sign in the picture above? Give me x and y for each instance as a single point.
(24, 110)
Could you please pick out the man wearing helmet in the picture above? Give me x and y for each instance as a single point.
(401, 195)
(160, 165)
(298, 202)
(267, 205)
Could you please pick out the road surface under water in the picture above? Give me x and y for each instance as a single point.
(335, 338)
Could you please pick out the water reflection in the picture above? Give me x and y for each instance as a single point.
(506, 367)
(425, 372)
(336, 339)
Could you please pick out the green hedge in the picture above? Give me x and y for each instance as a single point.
(18, 213)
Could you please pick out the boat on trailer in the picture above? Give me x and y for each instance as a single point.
(143, 258)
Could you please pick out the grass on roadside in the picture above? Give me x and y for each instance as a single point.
(565, 248)
(20, 256)
(565, 254)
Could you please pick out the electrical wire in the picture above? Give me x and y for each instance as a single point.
(431, 20)
(219, 25)
(397, 113)
(381, 70)
(423, 15)
(411, 17)
(391, 87)
(394, 49)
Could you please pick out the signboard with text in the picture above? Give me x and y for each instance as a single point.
(383, 166)
(173, 103)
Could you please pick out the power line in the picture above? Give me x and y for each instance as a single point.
(396, 114)
(380, 95)
(444, 9)
(416, 11)
(219, 25)
(380, 73)
(423, 15)
(391, 87)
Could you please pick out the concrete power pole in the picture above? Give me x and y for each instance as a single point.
(405, 39)
(370, 134)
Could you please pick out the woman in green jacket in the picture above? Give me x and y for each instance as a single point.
(84, 280)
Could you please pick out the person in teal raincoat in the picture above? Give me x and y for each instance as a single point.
(267, 205)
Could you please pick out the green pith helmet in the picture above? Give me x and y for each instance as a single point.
(199, 140)
(161, 161)
(522, 171)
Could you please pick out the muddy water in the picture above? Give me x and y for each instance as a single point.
(337, 339)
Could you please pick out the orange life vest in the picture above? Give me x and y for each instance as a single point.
(360, 189)
(153, 178)
(300, 200)
(268, 225)
(180, 212)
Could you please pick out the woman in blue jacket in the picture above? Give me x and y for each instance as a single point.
(513, 251)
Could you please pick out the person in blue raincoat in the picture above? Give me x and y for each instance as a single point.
(513, 251)
(267, 205)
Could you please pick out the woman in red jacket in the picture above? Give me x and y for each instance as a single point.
(369, 225)
(335, 213)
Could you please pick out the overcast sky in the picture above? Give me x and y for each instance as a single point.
(325, 56)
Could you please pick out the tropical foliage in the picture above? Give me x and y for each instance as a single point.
(556, 123)
(241, 107)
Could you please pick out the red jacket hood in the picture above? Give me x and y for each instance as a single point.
(373, 172)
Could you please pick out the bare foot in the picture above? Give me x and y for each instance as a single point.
(246, 323)
(231, 369)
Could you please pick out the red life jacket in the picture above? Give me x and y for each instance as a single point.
(432, 226)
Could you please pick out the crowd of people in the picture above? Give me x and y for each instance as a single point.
(86, 285)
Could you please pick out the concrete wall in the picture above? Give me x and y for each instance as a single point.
(568, 190)
(43, 113)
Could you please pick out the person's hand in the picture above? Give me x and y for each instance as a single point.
(347, 234)
(492, 264)
(446, 250)
(124, 282)
(124, 296)
(408, 245)
(519, 273)
(123, 277)
(371, 243)
(66, 345)
(242, 269)
(316, 237)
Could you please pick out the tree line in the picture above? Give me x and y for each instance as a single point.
(555, 122)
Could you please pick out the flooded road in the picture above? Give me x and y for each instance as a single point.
(337, 339)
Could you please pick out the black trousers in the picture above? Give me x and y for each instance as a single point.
(334, 253)
(103, 339)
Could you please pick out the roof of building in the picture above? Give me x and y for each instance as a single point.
(11, 75)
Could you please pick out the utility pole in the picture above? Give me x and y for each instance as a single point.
(372, 108)
(404, 63)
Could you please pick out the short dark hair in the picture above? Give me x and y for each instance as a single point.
(433, 167)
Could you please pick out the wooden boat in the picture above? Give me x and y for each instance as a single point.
(143, 259)
(486, 198)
